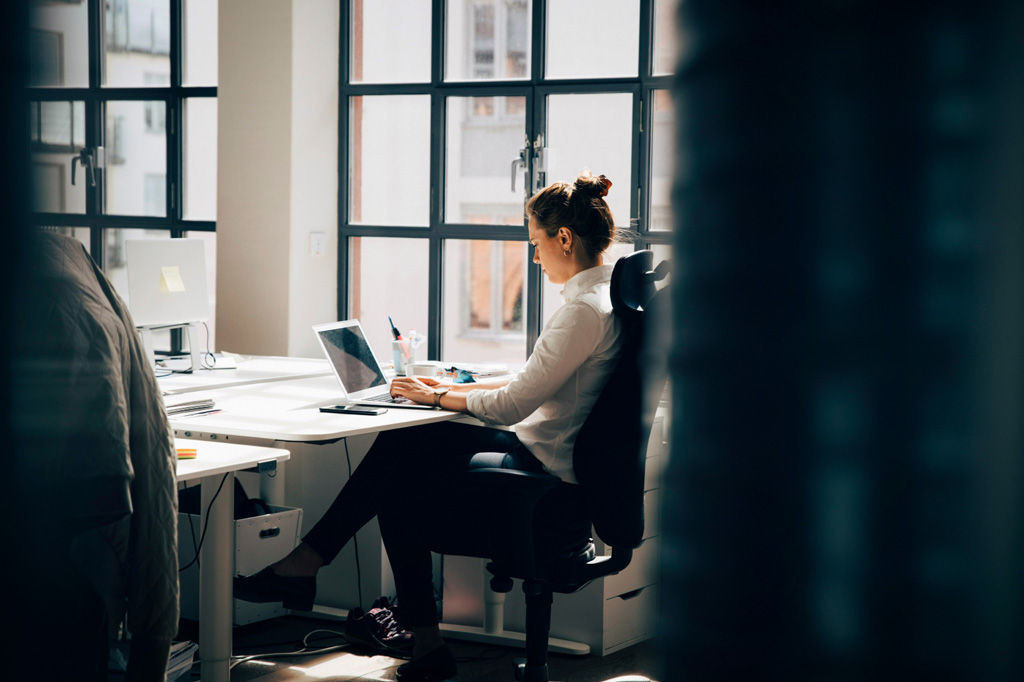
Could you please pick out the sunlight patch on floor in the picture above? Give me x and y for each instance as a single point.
(351, 665)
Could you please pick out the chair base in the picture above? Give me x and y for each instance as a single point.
(470, 633)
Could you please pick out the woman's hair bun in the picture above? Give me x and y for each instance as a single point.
(590, 186)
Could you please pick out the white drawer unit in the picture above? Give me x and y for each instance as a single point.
(259, 541)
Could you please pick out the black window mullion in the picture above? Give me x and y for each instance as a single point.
(94, 128)
(637, 190)
(646, 61)
(174, 117)
(173, 124)
(177, 46)
(344, 90)
(435, 261)
(536, 123)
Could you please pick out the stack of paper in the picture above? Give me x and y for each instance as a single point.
(186, 405)
(179, 664)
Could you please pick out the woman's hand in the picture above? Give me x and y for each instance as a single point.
(417, 389)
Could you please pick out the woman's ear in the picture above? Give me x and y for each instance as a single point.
(565, 238)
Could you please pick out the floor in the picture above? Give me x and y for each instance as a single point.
(477, 662)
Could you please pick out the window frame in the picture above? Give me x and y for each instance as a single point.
(536, 89)
(96, 96)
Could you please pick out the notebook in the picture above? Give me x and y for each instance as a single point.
(356, 366)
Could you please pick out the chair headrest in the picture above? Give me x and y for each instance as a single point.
(632, 284)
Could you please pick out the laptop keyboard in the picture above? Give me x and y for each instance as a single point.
(386, 398)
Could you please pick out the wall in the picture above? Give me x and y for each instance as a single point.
(277, 175)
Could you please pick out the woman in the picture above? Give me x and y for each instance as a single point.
(570, 228)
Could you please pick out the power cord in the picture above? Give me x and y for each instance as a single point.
(192, 534)
(305, 651)
(208, 356)
(355, 539)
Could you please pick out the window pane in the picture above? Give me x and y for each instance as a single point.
(136, 158)
(593, 132)
(61, 124)
(484, 135)
(391, 41)
(199, 42)
(57, 134)
(598, 39)
(58, 45)
(209, 327)
(200, 162)
(664, 37)
(389, 160)
(484, 307)
(137, 42)
(115, 266)
(402, 294)
(552, 293)
(487, 40)
(662, 160)
(663, 252)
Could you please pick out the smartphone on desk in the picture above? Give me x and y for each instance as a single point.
(354, 409)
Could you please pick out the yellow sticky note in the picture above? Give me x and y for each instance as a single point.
(186, 453)
(170, 279)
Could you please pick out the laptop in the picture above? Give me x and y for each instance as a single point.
(356, 366)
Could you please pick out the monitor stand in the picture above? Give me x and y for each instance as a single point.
(193, 343)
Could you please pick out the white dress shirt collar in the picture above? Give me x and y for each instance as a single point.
(584, 280)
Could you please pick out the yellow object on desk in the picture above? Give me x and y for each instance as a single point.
(186, 453)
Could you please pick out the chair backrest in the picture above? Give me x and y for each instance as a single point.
(610, 450)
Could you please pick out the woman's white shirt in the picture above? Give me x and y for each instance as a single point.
(550, 398)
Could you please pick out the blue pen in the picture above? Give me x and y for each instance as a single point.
(398, 337)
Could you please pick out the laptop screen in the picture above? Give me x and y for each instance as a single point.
(352, 358)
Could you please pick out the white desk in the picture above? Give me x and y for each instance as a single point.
(287, 410)
(214, 466)
(251, 370)
(290, 411)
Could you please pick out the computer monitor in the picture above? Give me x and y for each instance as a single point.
(167, 287)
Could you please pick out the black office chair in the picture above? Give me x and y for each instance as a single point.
(542, 525)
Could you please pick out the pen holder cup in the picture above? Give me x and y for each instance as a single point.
(404, 355)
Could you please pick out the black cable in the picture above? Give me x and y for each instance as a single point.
(192, 533)
(355, 540)
(208, 355)
(206, 524)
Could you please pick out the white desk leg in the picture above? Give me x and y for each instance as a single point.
(216, 570)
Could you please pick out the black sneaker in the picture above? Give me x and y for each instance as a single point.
(378, 628)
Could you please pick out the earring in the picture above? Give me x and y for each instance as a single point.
(567, 252)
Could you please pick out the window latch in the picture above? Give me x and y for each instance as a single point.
(520, 162)
(90, 160)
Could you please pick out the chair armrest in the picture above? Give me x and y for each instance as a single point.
(598, 567)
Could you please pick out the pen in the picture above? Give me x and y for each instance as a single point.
(398, 337)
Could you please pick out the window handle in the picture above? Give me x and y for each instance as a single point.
(519, 161)
(90, 160)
